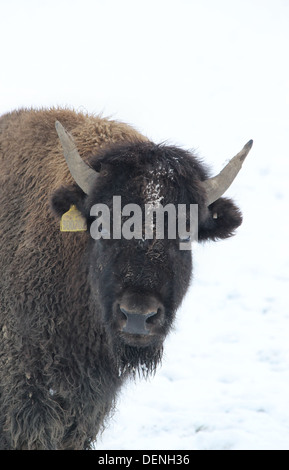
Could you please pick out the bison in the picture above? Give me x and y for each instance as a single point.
(80, 315)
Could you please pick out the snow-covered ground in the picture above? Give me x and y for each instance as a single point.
(211, 75)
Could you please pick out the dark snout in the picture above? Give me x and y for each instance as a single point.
(137, 323)
(140, 314)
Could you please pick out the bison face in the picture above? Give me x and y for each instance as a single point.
(137, 283)
(139, 286)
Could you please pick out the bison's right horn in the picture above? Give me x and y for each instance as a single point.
(83, 175)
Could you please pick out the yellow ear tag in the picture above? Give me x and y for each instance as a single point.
(73, 221)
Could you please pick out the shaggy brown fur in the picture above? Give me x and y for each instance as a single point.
(60, 368)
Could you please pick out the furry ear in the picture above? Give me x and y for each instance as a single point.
(222, 220)
(64, 197)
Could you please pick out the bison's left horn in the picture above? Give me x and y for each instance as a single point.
(215, 187)
(83, 175)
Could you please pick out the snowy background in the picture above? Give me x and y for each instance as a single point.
(201, 74)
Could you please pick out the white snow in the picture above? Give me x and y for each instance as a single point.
(204, 74)
(153, 188)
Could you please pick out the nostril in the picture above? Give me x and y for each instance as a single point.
(125, 312)
(153, 316)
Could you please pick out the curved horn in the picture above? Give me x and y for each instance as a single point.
(215, 187)
(83, 175)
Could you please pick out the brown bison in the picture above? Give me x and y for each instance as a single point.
(80, 314)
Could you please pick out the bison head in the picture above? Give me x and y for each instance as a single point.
(137, 284)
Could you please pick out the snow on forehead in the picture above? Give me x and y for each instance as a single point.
(154, 183)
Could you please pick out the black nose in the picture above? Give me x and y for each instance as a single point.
(137, 323)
